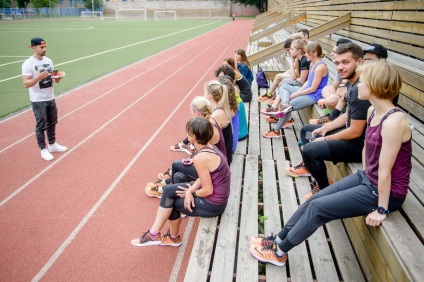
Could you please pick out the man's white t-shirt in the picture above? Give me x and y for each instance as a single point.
(42, 90)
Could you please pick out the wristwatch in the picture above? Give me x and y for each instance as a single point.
(382, 210)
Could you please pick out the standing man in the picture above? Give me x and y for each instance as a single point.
(36, 77)
(342, 139)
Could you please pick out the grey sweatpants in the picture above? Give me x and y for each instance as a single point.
(352, 196)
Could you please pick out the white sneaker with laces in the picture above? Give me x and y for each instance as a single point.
(46, 155)
(57, 148)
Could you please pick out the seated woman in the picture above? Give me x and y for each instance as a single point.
(379, 188)
(309, 93)
(241, 82)
(290, 73)
(243, 65)
(298, 75)
(217, 94)
(228, 71)
(206, 197)
(235, 121)
(183, 170)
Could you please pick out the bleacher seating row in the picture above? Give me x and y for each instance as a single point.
(343, 250)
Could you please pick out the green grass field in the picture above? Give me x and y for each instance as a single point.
(85, 50)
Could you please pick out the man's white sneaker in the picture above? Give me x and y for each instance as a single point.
(57, 148)
(46, 155)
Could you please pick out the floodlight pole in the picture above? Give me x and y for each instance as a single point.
(92, 8)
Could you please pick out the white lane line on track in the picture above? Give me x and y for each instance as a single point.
(116, 49)
(15, 62)
(95, 132)
(77, 229)
(108, 92)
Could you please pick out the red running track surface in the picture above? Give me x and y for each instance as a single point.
(72, 219)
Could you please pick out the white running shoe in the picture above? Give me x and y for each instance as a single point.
(46, 155)
(57, 148)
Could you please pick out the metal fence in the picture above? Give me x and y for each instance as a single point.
(31, 13)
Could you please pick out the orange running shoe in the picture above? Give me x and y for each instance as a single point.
(299, 170)
(316, 190)
(268, 254)
(271, 119)
(289, 122)
(268, 240)
(169, 241)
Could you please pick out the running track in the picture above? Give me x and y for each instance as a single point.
(72, 219)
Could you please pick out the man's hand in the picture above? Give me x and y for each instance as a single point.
(42, 75)
(319, 131)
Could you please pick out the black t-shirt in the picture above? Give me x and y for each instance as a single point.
(356, 109)
(245, 90)
(304, 64)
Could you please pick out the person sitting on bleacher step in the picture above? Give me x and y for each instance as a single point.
(373, 192)
(342, 139)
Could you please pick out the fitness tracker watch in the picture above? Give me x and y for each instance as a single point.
(382, 210)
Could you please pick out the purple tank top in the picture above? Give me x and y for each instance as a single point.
(220, 177)
(318, 93)
(221, 143)
(401, 168)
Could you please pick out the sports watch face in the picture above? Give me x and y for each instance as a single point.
(382, 210)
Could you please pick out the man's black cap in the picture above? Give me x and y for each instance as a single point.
(377, 49)
(37, 41)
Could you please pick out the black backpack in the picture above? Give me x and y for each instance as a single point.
(261, 79)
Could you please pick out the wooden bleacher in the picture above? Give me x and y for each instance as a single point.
(343, 250)
(383, 253)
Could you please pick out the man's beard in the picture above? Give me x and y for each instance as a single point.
(351, 75)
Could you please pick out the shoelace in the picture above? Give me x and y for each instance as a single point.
(268, 240)
(146, 237)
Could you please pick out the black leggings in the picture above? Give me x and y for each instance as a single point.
(182, 173)
(315, 153)
(203, 208)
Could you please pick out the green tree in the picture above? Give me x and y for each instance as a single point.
(97, 4)
(260, 4)
(44, 3)
(4, 4)
(22, 3)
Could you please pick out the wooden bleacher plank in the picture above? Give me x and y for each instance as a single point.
(266, 146)
(318, 245)
(264, 19)
(253, 148)
(225, 249)
(242, 145)
(315, 33)
(279, 26)
(247, 265)
(298, 259)
(275, 20)
(346, 260)
(272, 212)
(263, 15)
(358, 241)
(198, 266)
(268, 20)
(330, 27)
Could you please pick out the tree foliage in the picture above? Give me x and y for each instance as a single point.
(22, 3)
(4, 4)
(260, 4)
(44, 3)
(97, 4)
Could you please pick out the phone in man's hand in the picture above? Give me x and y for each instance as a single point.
(309, 136)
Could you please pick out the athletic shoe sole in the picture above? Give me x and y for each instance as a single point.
(150, 243)
(261, 259)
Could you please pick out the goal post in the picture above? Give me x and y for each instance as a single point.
(90, 15)
(130, 14)
(165, 15)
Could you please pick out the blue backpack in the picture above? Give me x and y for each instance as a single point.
(262, 79)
